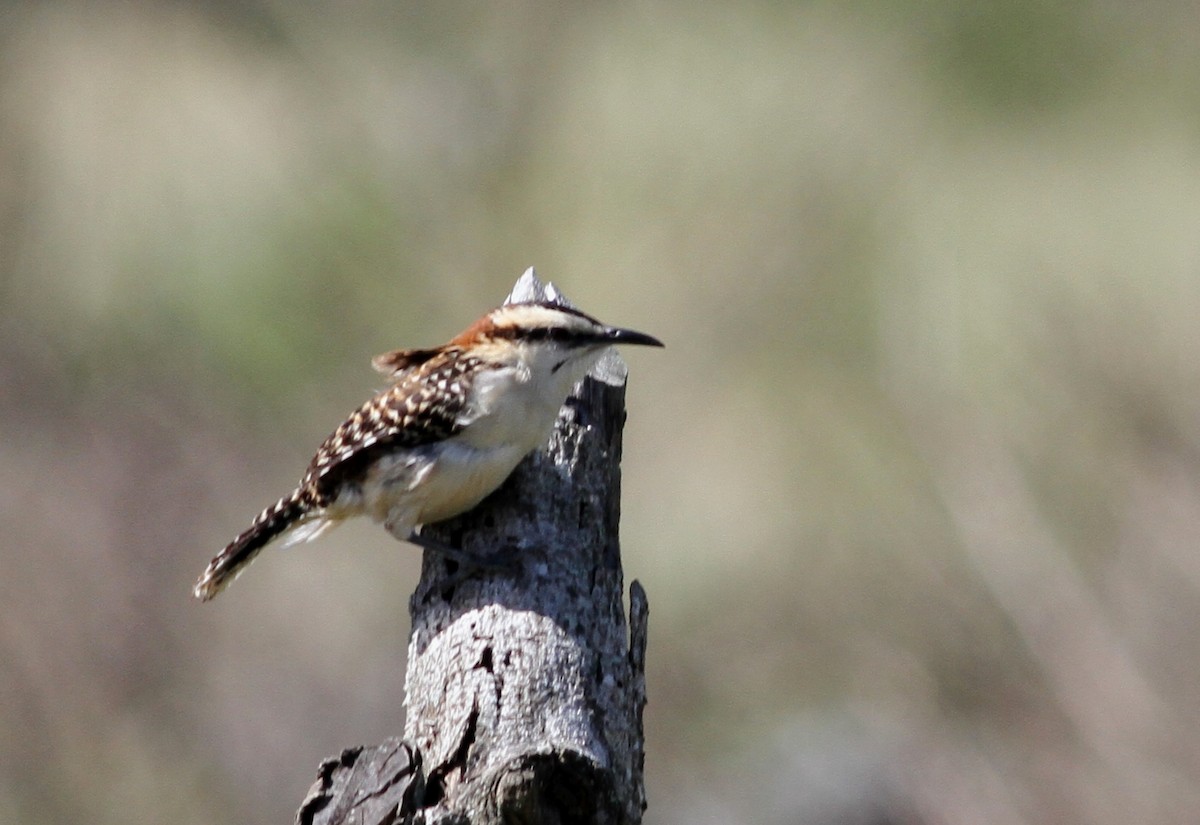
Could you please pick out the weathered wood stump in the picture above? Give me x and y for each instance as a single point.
(525, 686)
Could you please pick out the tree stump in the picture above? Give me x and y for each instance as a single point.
(525, 686)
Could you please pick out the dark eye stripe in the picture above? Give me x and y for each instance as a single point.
(566, 336)
(581, 334)
(552, 334)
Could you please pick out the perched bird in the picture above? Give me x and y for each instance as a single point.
(453, 425)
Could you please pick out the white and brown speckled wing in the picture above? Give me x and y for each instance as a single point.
(428, 405)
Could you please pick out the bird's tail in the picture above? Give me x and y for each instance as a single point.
(271, 522)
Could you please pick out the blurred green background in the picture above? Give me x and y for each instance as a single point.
(914, 490)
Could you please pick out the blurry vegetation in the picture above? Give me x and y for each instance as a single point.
(914, 490)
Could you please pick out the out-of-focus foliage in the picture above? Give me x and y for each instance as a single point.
(914, 490)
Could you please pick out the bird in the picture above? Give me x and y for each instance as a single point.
(451, 427)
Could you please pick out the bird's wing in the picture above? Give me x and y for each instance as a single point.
(426, 406)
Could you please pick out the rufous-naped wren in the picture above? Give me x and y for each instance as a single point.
(453, 425)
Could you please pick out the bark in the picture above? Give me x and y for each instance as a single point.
(525, 686)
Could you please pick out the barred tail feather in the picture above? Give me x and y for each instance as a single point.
(271, 522)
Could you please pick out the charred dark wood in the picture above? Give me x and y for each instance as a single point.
(365, 786)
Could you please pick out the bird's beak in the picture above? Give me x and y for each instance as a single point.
(614, 335)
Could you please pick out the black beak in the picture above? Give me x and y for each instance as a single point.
(613, 335)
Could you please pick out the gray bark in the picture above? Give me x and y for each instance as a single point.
(525, 686)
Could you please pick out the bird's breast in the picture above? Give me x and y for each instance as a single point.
(510, 408)
(461, 476)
